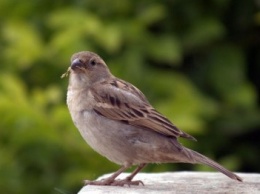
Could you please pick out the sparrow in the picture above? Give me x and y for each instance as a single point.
(117, 121)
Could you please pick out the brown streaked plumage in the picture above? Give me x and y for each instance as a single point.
(131, 106)
(116, 120)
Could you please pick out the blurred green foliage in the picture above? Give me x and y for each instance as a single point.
(198, 62)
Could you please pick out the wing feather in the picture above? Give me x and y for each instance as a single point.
(119, 100)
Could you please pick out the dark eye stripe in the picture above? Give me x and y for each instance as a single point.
(93, 62)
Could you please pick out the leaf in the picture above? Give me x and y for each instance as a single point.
(24, 44)
(204, 31)
(164, 49)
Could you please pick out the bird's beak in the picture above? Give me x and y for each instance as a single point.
(76, 63)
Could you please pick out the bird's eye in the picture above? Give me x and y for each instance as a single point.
(93, 62)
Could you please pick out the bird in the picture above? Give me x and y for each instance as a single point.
(115, 118)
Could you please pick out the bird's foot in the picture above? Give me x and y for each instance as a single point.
(99, 182)
(109, 182)
(127, 182)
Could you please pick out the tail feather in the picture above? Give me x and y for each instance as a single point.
(199, 158)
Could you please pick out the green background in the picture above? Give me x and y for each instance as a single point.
(198, 62)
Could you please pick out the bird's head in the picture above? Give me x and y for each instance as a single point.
(87, 68)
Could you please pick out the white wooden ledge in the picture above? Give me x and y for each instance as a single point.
(182, 183)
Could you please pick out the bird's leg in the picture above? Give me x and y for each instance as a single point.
(131, 176)
(128, 180)
(108, 181)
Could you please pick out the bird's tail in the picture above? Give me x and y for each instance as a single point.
(200, 159)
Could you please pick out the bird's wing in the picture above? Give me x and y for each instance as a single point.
(121, 101)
